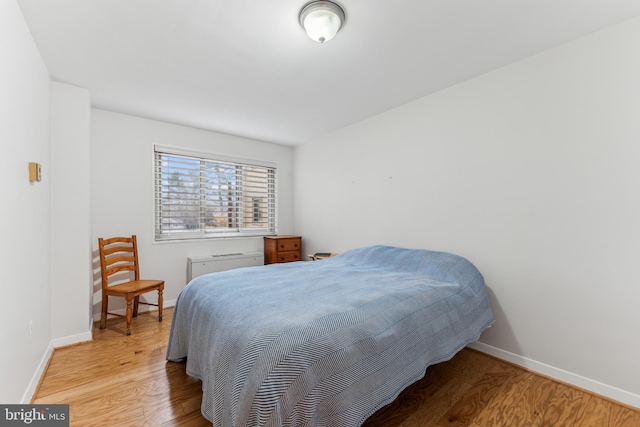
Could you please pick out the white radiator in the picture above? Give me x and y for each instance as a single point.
(197, 266)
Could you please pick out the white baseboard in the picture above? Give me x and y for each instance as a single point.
(567, 377)
(35, 379)
(44, 361)
(73, 339)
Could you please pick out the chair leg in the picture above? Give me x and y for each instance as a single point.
(136, 300)
(159, 305)
(129, 315)
(103, 315)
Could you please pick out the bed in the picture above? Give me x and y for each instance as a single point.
(324, 343)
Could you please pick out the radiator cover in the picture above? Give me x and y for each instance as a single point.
(199, 265)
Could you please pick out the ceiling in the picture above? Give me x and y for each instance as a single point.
(245, 67)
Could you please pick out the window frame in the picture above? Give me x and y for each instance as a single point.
(202, 232)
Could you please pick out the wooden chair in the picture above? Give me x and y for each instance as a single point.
(118, 255)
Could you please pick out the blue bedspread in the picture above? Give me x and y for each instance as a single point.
(324, 343)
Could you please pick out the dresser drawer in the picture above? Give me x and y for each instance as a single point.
(288, 256)
(285, 245)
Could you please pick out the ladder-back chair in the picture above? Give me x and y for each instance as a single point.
(119, 257)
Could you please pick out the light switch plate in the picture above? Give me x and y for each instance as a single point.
(35, 173)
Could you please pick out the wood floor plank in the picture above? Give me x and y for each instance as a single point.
(435, 406)
(502, 404)
(190, 420)
(596, 412)
(192, 403)
(475, 400)
(622, 416)
(515, 420)
(125, 381)
(425, 402)
(155, 413)
(536, 397)
(563, 408)
(420, 404)
(103, 412)
(105, 385)
(452, 380)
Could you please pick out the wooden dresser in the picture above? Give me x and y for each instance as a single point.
(282, 249)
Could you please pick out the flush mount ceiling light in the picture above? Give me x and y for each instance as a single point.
(321, 20)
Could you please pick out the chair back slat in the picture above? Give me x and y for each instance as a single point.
(122, 259)
(114, 270)
(113, 249)
(118, 254)
(113, 240)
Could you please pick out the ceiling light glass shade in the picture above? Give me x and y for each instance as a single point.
(321, 20)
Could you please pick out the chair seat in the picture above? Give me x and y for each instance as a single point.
(134, 287)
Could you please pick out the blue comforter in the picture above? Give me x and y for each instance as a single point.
(324, 343)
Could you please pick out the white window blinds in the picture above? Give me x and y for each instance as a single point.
(199, 196)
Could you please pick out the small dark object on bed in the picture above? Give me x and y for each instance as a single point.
(324, 254)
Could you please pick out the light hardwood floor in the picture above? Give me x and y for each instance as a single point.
(118, 380)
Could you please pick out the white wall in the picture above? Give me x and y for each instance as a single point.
(25, 212)
(532, 172)
(72, 275)
(122, 152)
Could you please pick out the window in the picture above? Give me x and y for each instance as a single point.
(202, 196)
